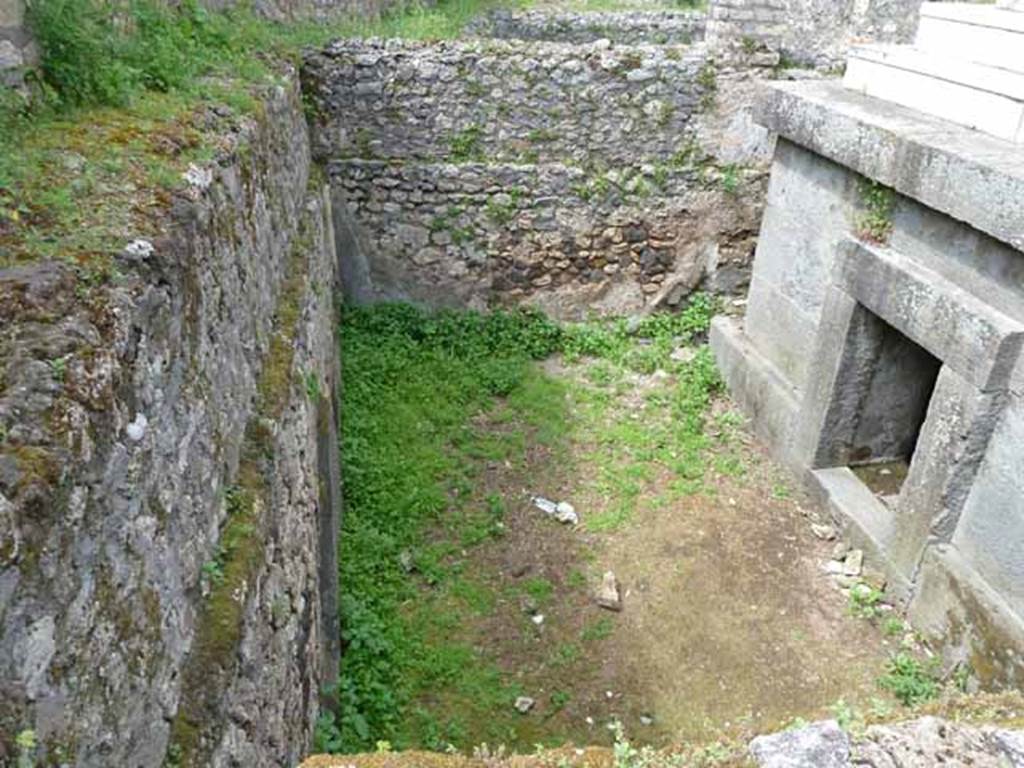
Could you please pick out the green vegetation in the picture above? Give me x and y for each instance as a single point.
(413, 384)
(865, 601)
(731, 178)
(429, 401)
(878, 202)
(127, 100)
(707, 79)
(910, 680)
(465, 145)
(26, 742)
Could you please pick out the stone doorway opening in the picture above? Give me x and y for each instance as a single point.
(896, 385)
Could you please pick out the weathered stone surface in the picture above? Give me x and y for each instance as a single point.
(930, 741)
(821, 745)
(917, 155)
(509, 234)
(504, 100)
(609, 594)
(901, 342)
(815, 32)
(174, 416)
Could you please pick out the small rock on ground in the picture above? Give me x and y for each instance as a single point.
(608, 595)
(524, 704)
(824, 532)
(854, 563)
(566, 513)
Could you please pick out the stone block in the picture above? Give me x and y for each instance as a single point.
(12, 14)
(761, 391)
(981, 343)
(781, 330)
(978, 33)
(810, 210)
(990, 534)
(949, 168)
(978, 96)
(957, 611)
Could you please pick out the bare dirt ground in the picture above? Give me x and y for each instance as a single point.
(729, 624)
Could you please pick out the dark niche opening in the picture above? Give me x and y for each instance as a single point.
(898, 388)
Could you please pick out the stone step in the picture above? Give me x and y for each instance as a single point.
(988, 99)
(984, 34)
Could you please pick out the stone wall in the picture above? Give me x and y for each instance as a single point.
(168, 477)
(505, 100)
(576, 177)
(624, 27)
(17, 51)
(811, 32)
(460, 234)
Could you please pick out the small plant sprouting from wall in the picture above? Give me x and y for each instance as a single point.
(877, 201)
(502, 208)
(707, 79)
(731, 178)
(465, 145)
(26, 743)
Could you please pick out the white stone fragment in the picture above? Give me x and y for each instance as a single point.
(139, 249)
(566, 513)
(137, 429)
(198, 178)
(524, 704)
(608, 595)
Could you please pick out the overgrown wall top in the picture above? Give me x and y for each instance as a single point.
(505, 101)
(165, 510)
(624, 27)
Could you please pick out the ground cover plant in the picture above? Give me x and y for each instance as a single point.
(128, 95)
(461, 597)
(432, 403)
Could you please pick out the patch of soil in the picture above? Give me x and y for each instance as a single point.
(730, 625)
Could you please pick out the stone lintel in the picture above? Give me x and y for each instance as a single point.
(965, 174)
(978, 341)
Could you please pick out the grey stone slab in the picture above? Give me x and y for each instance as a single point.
(780, 330)
(990, 534)
(825, 414)
(980, 264)
(951, 445)
(965, 174)
(757, 386)
(810, 210)
(955, 609)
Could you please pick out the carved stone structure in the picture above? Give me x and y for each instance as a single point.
(881, 349)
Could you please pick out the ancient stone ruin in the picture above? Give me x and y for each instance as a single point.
(844, 177)
(880, 351)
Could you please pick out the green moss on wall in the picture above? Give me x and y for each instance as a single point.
(241, 546)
